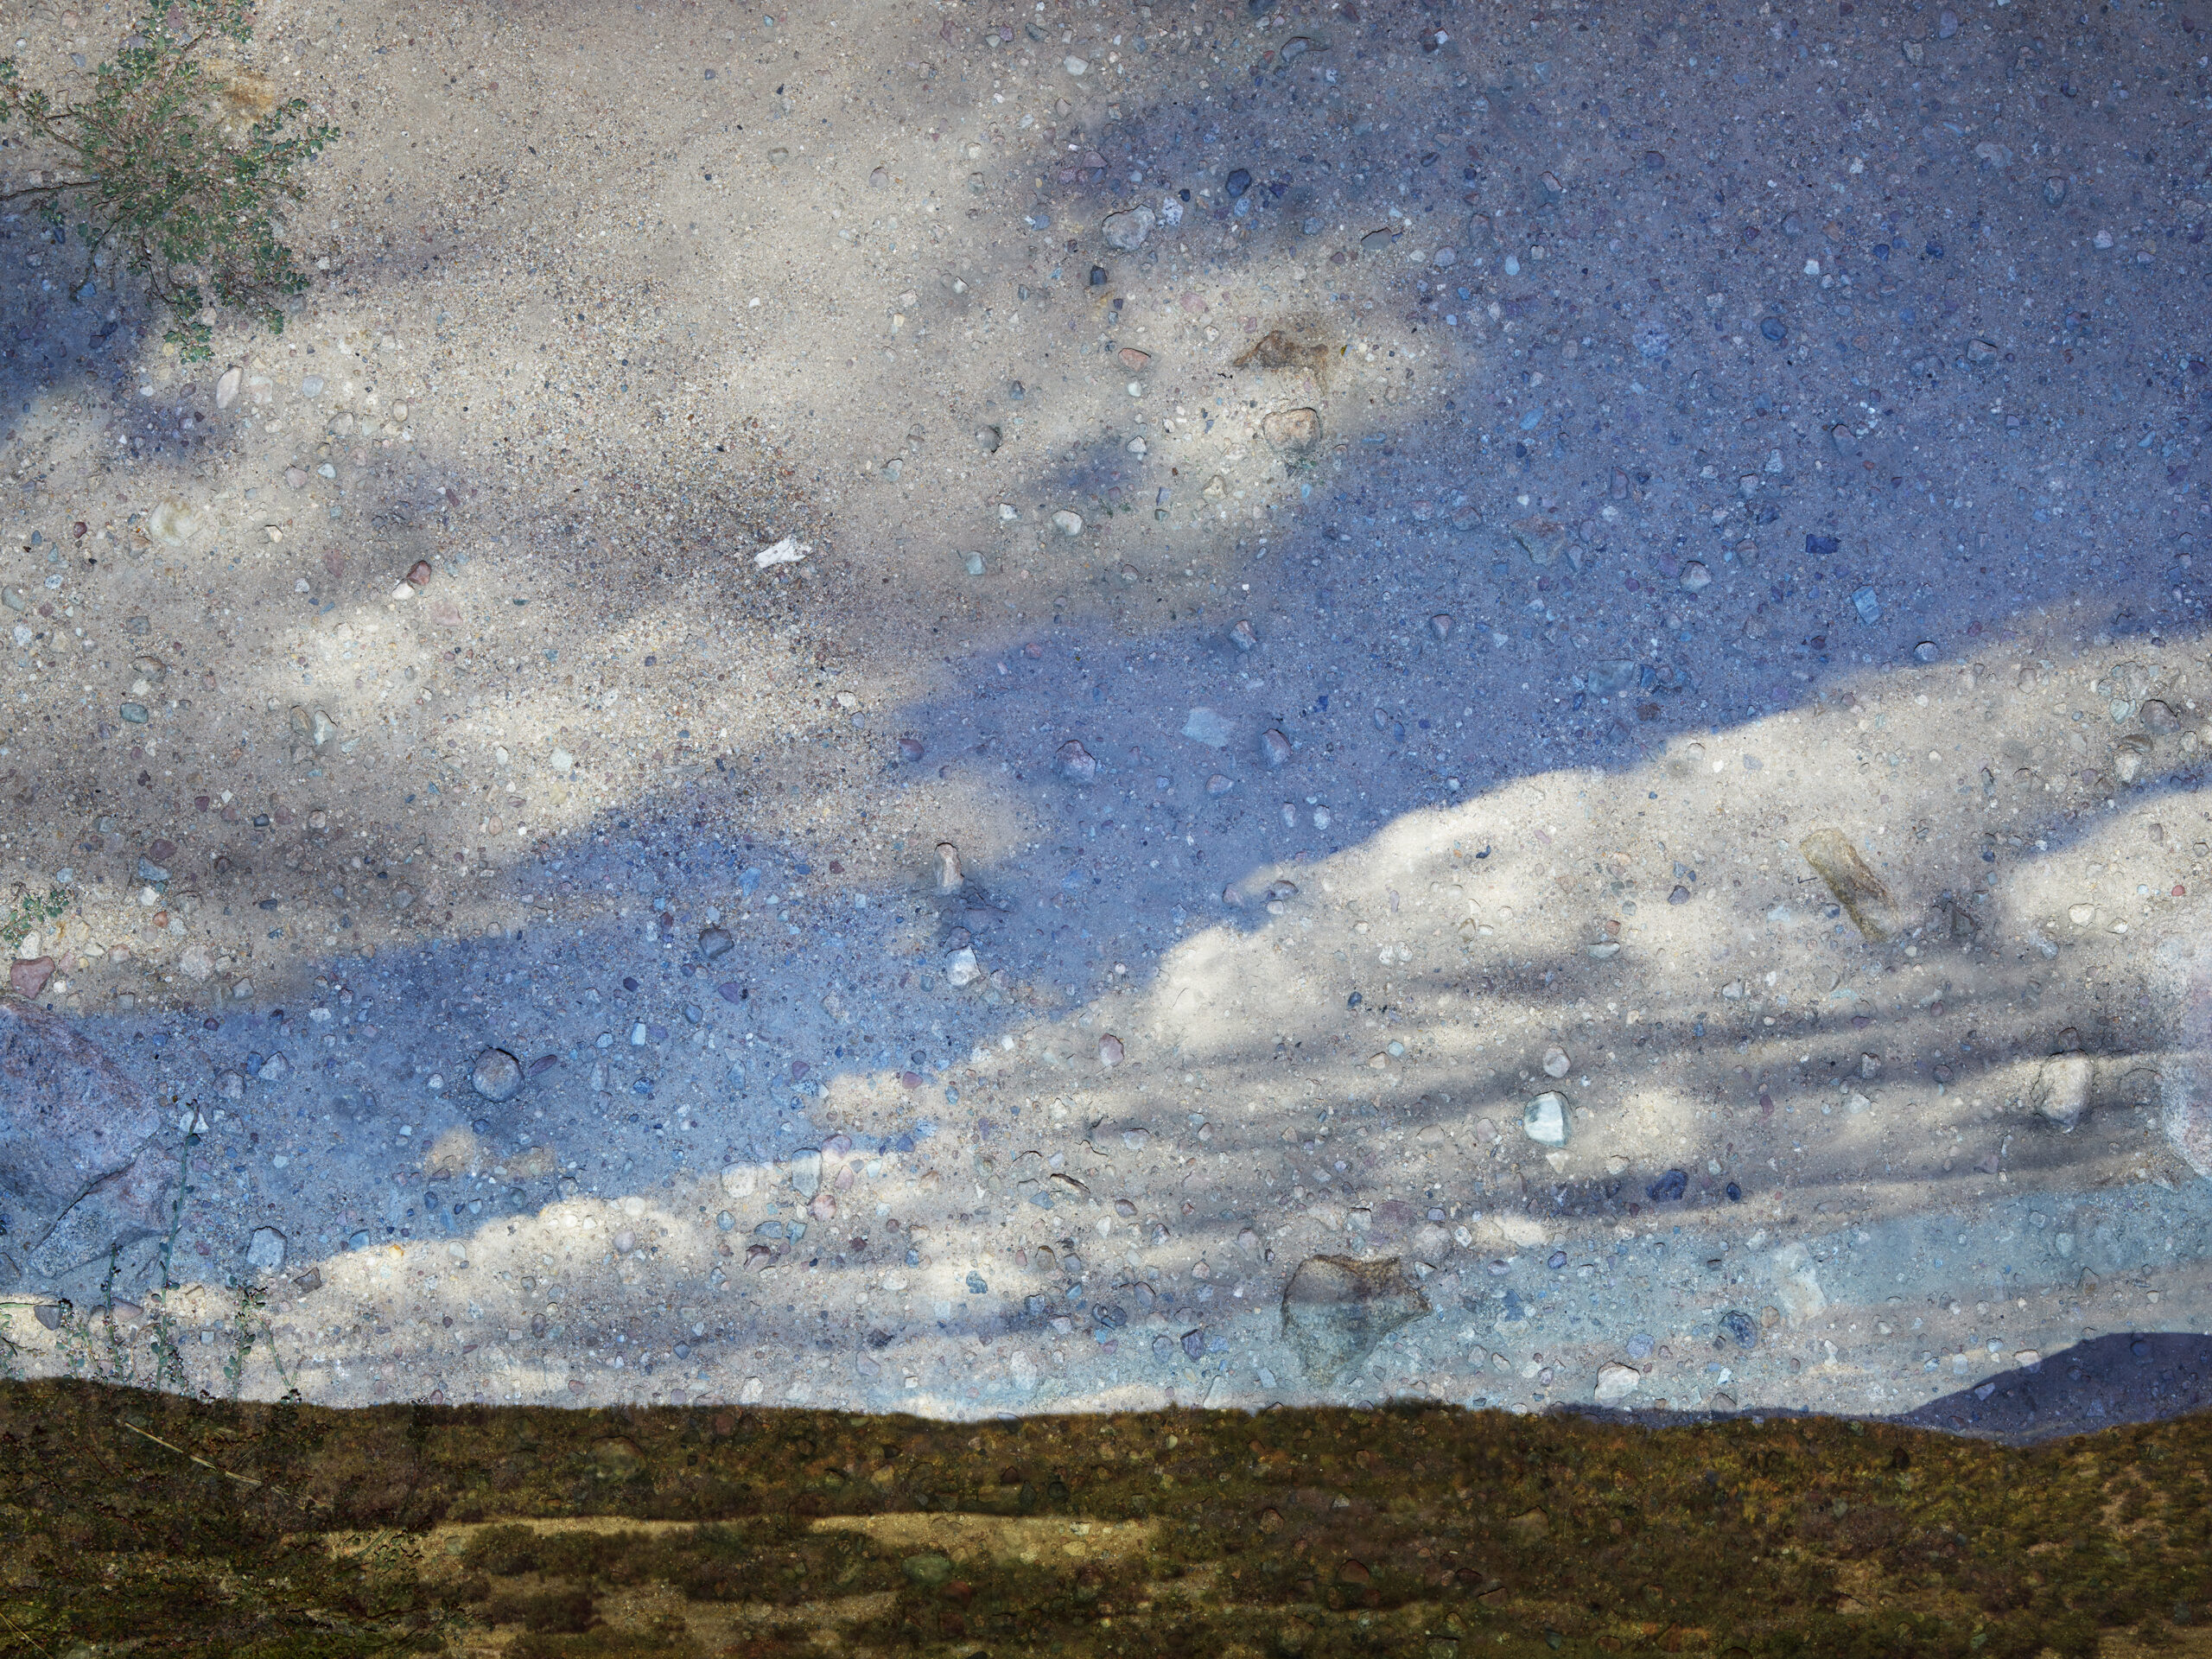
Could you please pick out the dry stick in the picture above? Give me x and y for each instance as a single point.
(26, 1635)
(306, 1503)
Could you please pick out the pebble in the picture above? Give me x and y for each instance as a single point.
(1639, 1347)
(1669, 1188)
(1868, 607)
(1556, 1063)
(1609, 678)
(1440, 625)
(1244, 637)
(1335, 1310)
(1615, 1382)
(910, 749)
(1695, 577)
(2060, 1091)
(1275, 749)
(1544, 1121)
(1109, 1050)
(804, 1168)
(1075, 763)
(949, 879)
(1126, 232)
(1292, 431)
(495, 1075)
(1220, 785)
(714, 943)
(1854, 884)
(1237, 183)
(264, 1251)
(1067, 523)
(1740, 1328)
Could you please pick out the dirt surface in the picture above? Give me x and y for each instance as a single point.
(145, 1523)
(996, 786)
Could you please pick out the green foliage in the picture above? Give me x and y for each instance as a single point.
(28, 911)
(177, 165)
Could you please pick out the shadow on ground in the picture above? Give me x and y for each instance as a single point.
(147, 1523)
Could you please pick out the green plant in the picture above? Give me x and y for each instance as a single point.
(27, 911)
(177, 164)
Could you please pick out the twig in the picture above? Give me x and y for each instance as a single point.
(26, 1635)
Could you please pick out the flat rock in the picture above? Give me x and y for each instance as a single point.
(76, 1163)
(1293, 431)
(1207, 727)
(1336, 1309)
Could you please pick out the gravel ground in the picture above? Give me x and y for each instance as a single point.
(1028, 666)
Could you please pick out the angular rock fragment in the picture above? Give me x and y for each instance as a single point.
(1856, 888)
(1336, 1309)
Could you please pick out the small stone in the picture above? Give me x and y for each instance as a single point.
(1075, 65)
(1556, 1065)
(1194, 1344)
(1615, 1382)
(1292, 431)
(1109, 1050)
(2054, 192)
(910, 749)
(1125, 233)
(1609, 679)
(1244, 637)
(418, 574)
(1669, 1188)
(1335, 1310)
(1927, 652)
(1067, 523)
(1237, 183)
(1075, 763)
(27, 979)
(804, 1167)
(988, 439)
(1544, 1120)
(1134, 359)
(1440, 625)
(715, 943)
(1275, 749)
(1695, 578)
(1868, 607)
(1947, 24)
(1740, 1328)
(1980, 351)
(929, 1570)
(1856, 888)
(265, 1252)
(496, 1075)
(226, 387)
(275, 1069)
(1220, 784)
(625, 1242)
(789, 550)
(962, 969)
(2060, 1091)
(948, 879)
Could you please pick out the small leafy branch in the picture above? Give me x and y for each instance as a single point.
(26, 912)
(153, 174)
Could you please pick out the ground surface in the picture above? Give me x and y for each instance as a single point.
(1803, 435)
(144, 1523)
